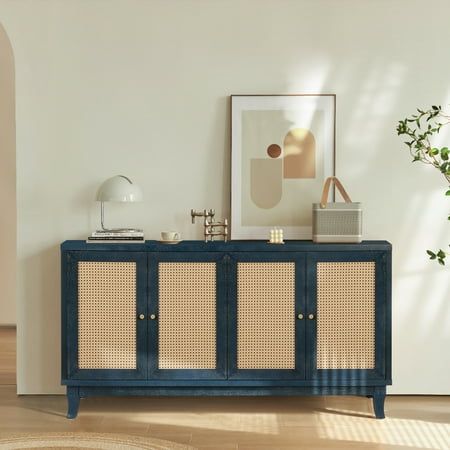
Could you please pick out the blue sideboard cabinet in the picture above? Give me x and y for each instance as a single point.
(236, 318)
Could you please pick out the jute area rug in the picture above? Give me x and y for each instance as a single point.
(88, 441)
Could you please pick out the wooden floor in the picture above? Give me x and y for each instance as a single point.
(238, 423)
(7, 355)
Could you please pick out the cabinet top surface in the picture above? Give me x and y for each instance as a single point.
(230, 246)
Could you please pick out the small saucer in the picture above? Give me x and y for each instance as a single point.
(170, 241)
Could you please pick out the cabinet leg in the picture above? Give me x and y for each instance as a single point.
(379, 394)
(73, 399)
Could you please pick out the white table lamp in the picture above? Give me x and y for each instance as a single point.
(117, 189)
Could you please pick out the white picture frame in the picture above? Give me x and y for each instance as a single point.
(282, 150)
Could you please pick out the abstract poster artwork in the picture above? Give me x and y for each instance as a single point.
(282, 152)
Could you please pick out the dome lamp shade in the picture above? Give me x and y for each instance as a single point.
(117, 189)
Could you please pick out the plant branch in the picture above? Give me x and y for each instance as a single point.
(419, 129)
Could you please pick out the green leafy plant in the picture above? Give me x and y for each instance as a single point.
(419, 129)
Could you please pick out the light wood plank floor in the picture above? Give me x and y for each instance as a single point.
(412, 422)
(7, 355)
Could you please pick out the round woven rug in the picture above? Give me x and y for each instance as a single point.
(68, 441)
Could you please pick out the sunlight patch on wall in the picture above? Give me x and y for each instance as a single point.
(375, 99)
(311, 81)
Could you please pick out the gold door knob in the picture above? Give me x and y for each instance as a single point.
(300, 316)
(311, 316)
(141, 316)
(153, 316)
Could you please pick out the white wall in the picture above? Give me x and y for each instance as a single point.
(8, 253)
(141, 88)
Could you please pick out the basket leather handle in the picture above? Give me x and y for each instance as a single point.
(326, 190)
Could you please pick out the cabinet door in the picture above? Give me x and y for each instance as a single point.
(187, 330)
(104, 310)
(266, 326)
(347, 316)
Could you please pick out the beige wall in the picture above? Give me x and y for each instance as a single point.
(7, 184)
(141, 88)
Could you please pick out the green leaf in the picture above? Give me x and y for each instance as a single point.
(441, 262)
(448, 192)
(440, 254)
(435, 107)
(431, 254)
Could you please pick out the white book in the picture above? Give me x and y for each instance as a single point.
(115, 241)
(117, 234)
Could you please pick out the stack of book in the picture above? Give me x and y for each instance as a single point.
(125, 236)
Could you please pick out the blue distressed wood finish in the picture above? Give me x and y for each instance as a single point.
(226, 379)
(100, 391)
(227, 382)
(230, 246)
(73, 399)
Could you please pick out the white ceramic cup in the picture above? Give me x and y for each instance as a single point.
(170, 236)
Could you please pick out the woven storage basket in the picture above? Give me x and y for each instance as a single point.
(337, 222)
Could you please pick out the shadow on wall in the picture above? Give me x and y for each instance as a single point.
(8, 254)
(41, 273)
(402, 205)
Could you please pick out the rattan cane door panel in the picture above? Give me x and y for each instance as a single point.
(346, 315)
(347, 297)
(189, 333)
(187, 315)
(107, 293)
(106, 315)
(268, 340)
(266, 315)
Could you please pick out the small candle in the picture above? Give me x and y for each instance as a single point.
(277, 236)
(272, 236)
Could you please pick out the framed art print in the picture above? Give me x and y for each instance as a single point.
(282, 150)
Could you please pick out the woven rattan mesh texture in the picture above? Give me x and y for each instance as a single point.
(187, 315)
(106, 315)
(266, 315)
(346, 315)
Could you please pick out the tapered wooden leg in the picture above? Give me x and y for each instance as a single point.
(73, 399)
(379, 394)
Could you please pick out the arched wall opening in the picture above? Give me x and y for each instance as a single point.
(8, 222)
